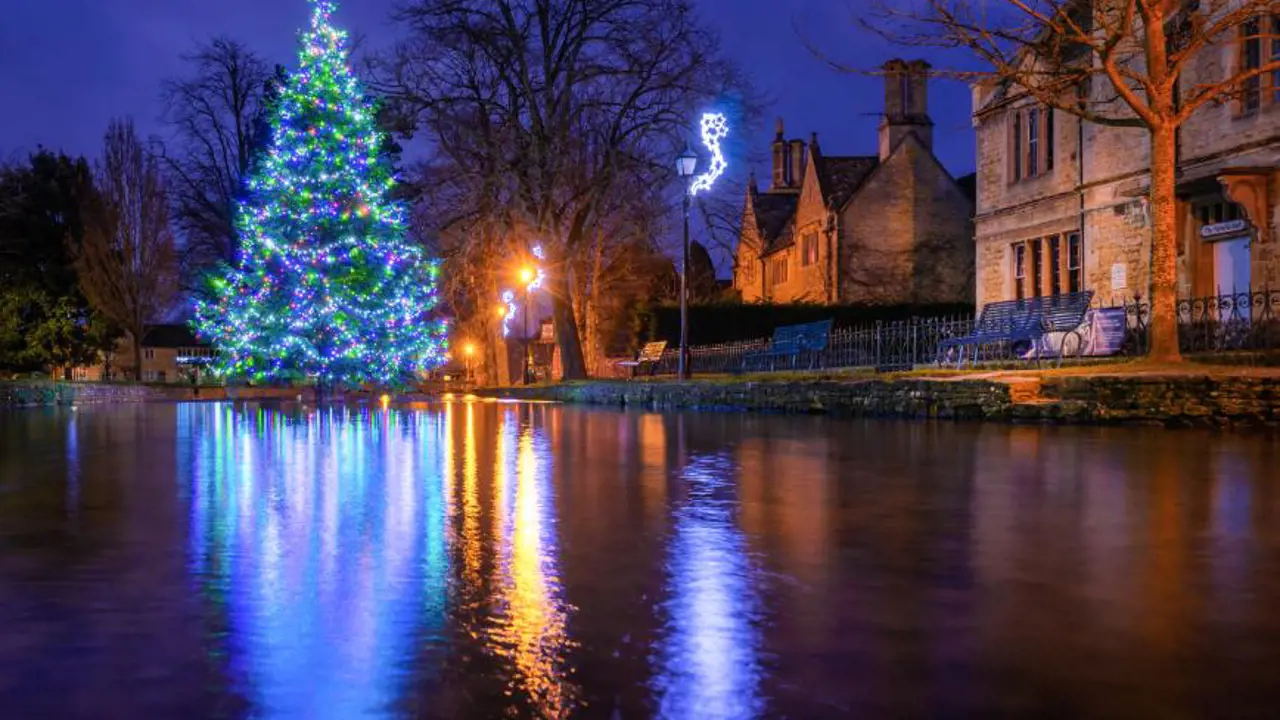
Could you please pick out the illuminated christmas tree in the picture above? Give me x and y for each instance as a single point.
(326, 286)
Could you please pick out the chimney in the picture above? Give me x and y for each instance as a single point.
(779, 159)
(906, 105)
(797, 164)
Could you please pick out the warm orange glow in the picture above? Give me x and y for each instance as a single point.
(502, 311)
(385, 400)
(469, 348)
(526, 275)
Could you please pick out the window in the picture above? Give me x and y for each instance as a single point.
(1055, 265)
(1251, 59)
(1031, 145)
(1033, 142)
(1037, 264)
(1275, 57)
(1048, 139)
(149, 354)
(777, 270)
(1020, 270)
(1075, 275)
(809, 249)
(1043, 266)
(1017, 146)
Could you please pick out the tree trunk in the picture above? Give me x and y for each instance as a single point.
(137, 354)
(1163, 328)
(572, 366)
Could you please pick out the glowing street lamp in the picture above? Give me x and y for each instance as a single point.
(686, 163)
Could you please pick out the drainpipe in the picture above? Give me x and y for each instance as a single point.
(833, 257)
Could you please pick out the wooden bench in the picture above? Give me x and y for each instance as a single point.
(792, 342)
(1027, 320)
(649, 355)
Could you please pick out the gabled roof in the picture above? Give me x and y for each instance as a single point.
(841, 176)
(773, 213)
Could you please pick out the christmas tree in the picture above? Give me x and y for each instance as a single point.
(326, 285)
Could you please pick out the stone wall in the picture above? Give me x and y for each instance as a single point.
(42, 393)
(1174, 401)
(906, 234)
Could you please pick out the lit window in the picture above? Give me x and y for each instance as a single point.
(1075, 275)
(1020, 270)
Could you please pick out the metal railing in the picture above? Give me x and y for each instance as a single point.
(1243, 321)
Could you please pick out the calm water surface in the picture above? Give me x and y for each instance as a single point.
(497, 560)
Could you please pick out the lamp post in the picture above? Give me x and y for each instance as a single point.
(526, 276)
(686, 163)
(469, 350)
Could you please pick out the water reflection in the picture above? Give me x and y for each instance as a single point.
(708, 662)
(479, 560)
(529, 628)
(312, 531)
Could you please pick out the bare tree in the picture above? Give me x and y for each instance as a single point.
(126, 263)
(548, 104)
(216, 114)
(1121, 63)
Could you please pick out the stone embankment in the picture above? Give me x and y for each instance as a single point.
(42, 393)
(1177, 400)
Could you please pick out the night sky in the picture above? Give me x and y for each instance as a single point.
(68, 66)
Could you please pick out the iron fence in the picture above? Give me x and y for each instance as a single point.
(1242, 321)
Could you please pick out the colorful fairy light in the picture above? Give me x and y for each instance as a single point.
(715, 128)
(327, 285)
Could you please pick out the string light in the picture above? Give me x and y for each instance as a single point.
(327, 285)
(715, 128)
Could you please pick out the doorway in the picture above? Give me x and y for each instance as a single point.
(1231, 266)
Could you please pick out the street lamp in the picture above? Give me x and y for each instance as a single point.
(527, 276)
(686, 163)
(469, 350)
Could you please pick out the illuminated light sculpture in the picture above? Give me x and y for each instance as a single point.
(715, 128)
(508, 302)
(327, 284)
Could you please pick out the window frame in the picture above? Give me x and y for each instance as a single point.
(809, 249)
(1019, 270)
(1075, 273)
(1032, 142)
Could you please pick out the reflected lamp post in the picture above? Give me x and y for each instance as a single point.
(686, 164)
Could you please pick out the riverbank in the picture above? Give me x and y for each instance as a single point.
(1175, 396)
(42, 393)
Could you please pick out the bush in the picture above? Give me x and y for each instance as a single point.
(728, 322)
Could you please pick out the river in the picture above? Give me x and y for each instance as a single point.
(473, 559)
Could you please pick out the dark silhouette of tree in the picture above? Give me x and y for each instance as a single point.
(127, 263)
(45, 320)
(216, 112)
(545, 108)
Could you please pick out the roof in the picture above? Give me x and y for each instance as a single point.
(773, 213)
(840, 176)
(169, 336)
(969, 186)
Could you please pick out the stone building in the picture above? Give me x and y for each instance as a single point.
(889, 228)
(1062, 204)
(170, 354)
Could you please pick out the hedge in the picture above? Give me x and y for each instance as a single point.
(727, 322)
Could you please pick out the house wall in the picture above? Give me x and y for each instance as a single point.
(906, 236)
(1099, 184)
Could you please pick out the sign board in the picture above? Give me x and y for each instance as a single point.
(1119, 280)
(1230, 227)
(548, 334)
(1107, 328)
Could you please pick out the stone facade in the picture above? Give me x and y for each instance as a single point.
(1088, 210)
(891, 228)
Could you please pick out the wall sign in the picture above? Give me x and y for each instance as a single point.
(1230, 227)
(1119, 280)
